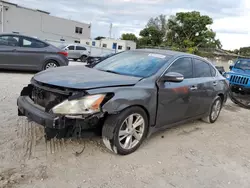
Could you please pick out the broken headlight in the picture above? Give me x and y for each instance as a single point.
(85, 105)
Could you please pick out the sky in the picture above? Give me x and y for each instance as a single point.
(231, 17)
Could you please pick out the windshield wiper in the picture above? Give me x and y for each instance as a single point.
(110, 71)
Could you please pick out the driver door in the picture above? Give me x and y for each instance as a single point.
(174, 99)
(72, 52)
(8, 51)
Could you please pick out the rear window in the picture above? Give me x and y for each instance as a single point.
(32, 43)
(80, 48)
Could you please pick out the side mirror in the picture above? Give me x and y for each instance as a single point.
(172, 77)
(66, 49)
(230, 67)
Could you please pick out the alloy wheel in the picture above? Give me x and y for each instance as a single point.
(50, 65)
(216, 110)
(131, 131)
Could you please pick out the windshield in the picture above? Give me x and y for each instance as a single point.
(242, 64)
(134, 63)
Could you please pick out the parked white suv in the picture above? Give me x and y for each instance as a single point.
(76, 51)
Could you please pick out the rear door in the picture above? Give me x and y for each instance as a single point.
(174, 99)
(31, 53)
(80, 50)
(72, 52)
(205, 82)
(8, 51)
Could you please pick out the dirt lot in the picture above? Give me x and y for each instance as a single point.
(192, 155)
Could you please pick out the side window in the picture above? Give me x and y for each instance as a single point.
(213, 71)
(201, 69)
(9, 40)
(32, 43)
(182, 66)
(80, 48)
(71, 47)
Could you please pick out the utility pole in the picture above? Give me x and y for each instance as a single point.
(110, 30)
(2, 9)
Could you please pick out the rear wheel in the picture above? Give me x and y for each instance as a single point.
(50, 64)
(130, 130)
(214, 111)
(75, 59)
(83, 58)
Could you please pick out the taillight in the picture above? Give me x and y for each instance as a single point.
(64, 53)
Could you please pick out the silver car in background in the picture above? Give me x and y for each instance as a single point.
(76, 51)
(21, 52)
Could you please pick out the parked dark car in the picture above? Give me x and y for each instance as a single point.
(94, 60)
(27, 53)
(125, 98)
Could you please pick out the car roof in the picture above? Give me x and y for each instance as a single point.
(20, 35)
(163, 52)
(169, 52)
(75, 44)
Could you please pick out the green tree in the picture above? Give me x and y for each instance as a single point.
(160, 23)
(129, 36)
(99, 38)
(151, 36)
(189, 30)
(244, 51)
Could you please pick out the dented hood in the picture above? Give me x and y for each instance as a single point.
(81, 77)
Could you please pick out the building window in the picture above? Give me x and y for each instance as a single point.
(119, 47)
(104, 45)
(78, 30)
(93, 43)
(87, 43)
(128, 48)
(77, 41)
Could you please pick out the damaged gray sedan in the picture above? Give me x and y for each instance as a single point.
(124, 98)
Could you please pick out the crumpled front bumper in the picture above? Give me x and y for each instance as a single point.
(36, 113)
(58, 126)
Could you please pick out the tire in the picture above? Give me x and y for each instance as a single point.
(50, 64)
(75, 59)
(214, 111)
(119, 137)
(83, 58)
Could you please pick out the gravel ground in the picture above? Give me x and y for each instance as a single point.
(192, 155)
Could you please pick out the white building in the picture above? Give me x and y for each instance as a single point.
(40, 24)
(110, 44)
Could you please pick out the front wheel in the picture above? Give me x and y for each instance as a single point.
(214, 111)
(130, 129)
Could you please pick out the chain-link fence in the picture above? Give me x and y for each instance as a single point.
(218, 57)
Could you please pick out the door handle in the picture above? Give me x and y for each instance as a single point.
(193, 88)
(214, 83)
